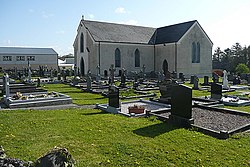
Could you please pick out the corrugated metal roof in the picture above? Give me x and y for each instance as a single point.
(27, 51)
(111, 32)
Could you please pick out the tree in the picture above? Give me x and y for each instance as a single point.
(242, 68)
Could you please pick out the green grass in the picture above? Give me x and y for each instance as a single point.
(79, 97)
(95, 138)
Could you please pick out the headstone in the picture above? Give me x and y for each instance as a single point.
(166, 89)
(6, 81)
(196, 83)
(174, 75)
(160, 76)
(59, 76)
(38, 82)
(181, 76)
(98, 76)
(215, 78)
(89, 84)
(123, 78)
(236, 80)
(192, 79)
(135, 76)
(225, 80)
(112, 74)
(216, 91)
(143, 71)
(206, 81)
(113, 96)
(181, 106)
(181, 101)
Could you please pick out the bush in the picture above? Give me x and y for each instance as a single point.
(242, 68)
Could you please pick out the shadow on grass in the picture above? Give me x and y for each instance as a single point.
(154, 130)
(95, 113)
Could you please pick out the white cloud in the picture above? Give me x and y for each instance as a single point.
(120, 10)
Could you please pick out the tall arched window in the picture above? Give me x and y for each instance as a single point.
(117, 58)
(82, 43)
(137, 58)
(193, 52)
(198, 53)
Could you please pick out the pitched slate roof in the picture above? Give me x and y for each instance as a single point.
(170, 34)
(111, 32)
(26, 51)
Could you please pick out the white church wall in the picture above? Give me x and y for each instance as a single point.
(107, 56)
(184, 53)
(163, 52)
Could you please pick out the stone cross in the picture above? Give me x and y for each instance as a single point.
(98, 77)
(143, 71)
(112, 74)
(89, 86)
(123, 78)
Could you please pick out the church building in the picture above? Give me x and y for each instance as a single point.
(184, 47)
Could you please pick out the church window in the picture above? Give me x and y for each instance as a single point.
(117, 58)
(137, 58)
(82, 43)
(198, 53)
(193, 52)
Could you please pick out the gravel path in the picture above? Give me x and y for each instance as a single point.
(218, 121)
(214, 120)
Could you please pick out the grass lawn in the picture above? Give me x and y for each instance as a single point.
(95, 138)
(79, 97)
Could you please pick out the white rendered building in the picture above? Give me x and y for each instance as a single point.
(185, 47)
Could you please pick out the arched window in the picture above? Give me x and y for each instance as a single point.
(117, 58)
(193, 52)
(198, 53)
(137, 58)
(82, 43)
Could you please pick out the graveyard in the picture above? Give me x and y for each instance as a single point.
(100, 137)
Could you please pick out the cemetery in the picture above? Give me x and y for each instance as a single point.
(155, 109)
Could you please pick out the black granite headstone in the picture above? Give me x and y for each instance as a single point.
(192, 79)
(216, 91)
(196, 83)
(181, 101)
(206, 81)
(113, 96)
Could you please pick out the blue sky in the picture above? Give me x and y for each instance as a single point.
(53, 23)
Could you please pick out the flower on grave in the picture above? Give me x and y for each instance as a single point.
(136, 107)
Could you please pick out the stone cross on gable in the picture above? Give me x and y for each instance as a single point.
(112, 74)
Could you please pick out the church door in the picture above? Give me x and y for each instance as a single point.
(165, 66)
(82, 67)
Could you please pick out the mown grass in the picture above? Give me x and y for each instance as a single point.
(95, 138)
(78, 96)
